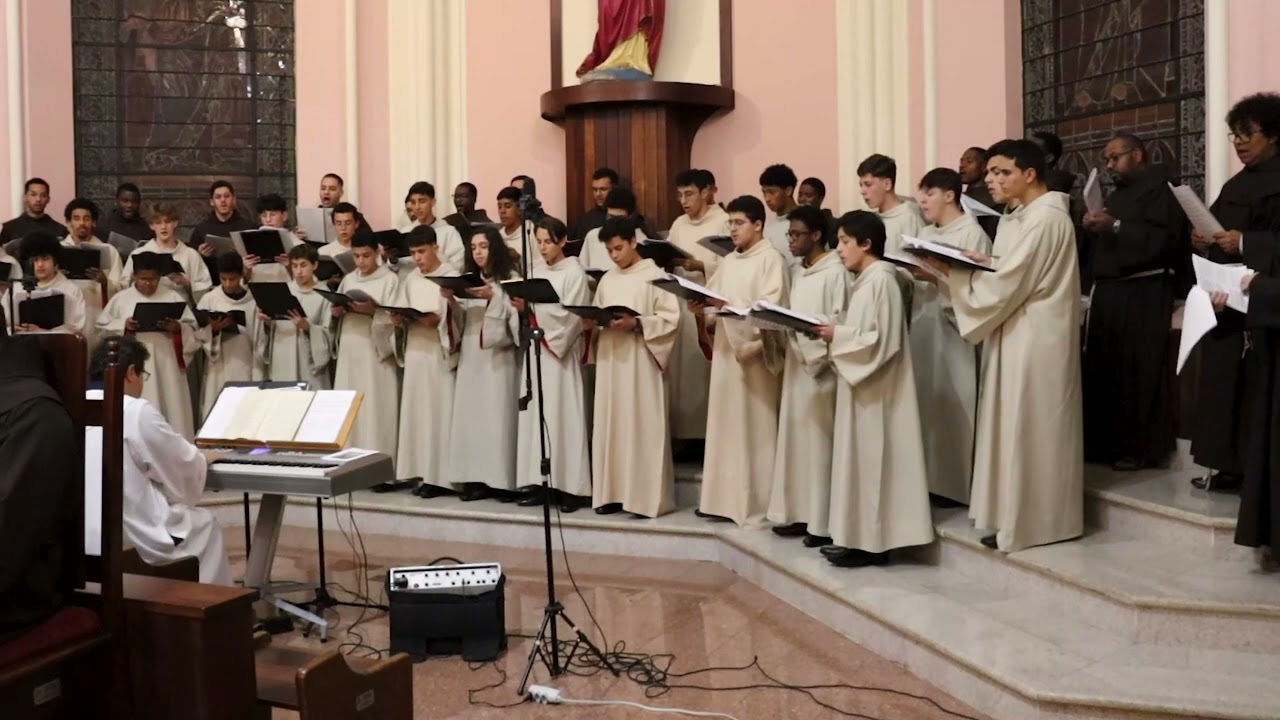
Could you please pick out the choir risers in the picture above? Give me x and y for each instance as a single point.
(299, 473)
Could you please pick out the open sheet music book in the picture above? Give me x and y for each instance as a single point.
(317, 222)
(1093, 193)
(298, 419)
(1224, 278)
(949, 254)
(975, 208)
(688, 289)
(1199, 215)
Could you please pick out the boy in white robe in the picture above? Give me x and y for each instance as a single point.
(171, 348)
(422, 204)
(946, 367)
(164, 479)
(631, 464)
(562, 389)
(877, 180)
(82, 216)
(510, 232)
(802, 469)
(1028, 470)
(879, 496)
(746, 375)
(346, 221)
(620, 202)
(778, 188)
(427, 349)
(41, 250)
(300, 348)
(689, 376)
(228, 345)
(194, 280)
(273, 214)
(483, 456)
(366, 352)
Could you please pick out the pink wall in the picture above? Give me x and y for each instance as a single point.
(373, 98)
(320, 87)
(9, 203)
(1254, 58)
(508, 69)
(50, 128)
(979, 75)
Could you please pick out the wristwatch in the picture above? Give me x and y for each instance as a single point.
(1115, 227)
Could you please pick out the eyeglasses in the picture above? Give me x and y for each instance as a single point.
(145, 376)
(1241, 137)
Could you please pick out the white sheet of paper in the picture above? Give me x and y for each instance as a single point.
(223, 244)
(685, 282)
(324, 418)
(1199, 215)
(1216, 277)
(973, 207)
(1198, 318)
(317, 222)
(224, 410)
(1093, 193)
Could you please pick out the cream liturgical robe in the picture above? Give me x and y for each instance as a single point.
(164, 476)
(946, 370)
(451, 248)
(689, 377)
(366, 363)
(879, 496)
(484, 405)
(631, 442)
(515, 243)
(193, 266)
(562, 388)
(92, 290)
(802, 466)
(746, 387)
(776, 228)
(167, 387)
(902, 220)
(293, 355)
(231, 357)
(74, 307)
(594, 254)
(429, 356)
(1028, 473)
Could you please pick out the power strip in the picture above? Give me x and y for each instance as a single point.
(544, 695)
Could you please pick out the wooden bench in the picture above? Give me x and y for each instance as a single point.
(327, 685)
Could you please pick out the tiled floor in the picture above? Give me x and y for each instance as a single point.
(698, 612)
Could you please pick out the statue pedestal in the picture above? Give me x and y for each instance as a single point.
(642, 129)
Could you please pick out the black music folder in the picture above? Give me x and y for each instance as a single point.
(459, 284)
(602, 316)
(345, 300)
(76, 262)
(661, 252)
(266, 244)
(7, 270)
(238, 319)
(45, 312)
(275, 300)
(148, 315)
(393, 240)
(535, 290)
(719, 244)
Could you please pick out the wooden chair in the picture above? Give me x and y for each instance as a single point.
(332, 686)
(75, 664)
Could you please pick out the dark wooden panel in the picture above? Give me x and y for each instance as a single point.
(557, 42)
(726, 43)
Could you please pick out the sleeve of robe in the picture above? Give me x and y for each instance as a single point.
(114, 272)
(660, 322)
(205, 337)
(382, 330)
(1143, 244)
(1264, 303)
(452, 249)
(562, 327)
(870, 337)
(835, 294)
(983, 301)
(190, 346)
(112, 318)
(198, 274)
(496, 327)
(175, 465)
(748, 341)
(74, 318)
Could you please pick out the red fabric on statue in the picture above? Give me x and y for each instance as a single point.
(619, 20)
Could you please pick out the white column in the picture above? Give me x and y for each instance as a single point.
(17, 126)
(351, 100)
(427, 118)
(930, 57)
(1217, 97)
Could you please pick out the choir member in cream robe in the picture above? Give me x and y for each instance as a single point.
(273, 213)
(620, 203)
(631, 464)
(879, 496)
(300, 348)
(366, 356)
(346, 221)
(778, 187)
(746, 375)
(512, 231)
(877, 178)
(689, 377)
(426, 348)
(82, 216)
(230, 356)
(946, 367)
(422, 204)
(483, 456)
(40, 251)
(164, 479)
(171, 349)
(1028, 474)
(194, 280)
(562, 387)
(802, 466)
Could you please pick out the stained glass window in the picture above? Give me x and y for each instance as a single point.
(173, 94)
(1092, 68)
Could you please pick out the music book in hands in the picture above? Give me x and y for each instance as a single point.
(9, 271)
(910, 262)
(601, 316)
(1218, 277)
(238, 319)
(789, 319)
(950, 254)
(225, 245)
(975, 208)
(275, 300)
(661, 252)
(1199, 215)
(1093, 193)
(76, 262)
(265, 244)
(687, 289)
(295, 419)
(719, 244)
(459, 284)
(149, 315)
(45, 312)
(534, 290)
(345, 301)
(317, 222)
(393, 240)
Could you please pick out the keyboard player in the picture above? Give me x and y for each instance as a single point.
(164, 478)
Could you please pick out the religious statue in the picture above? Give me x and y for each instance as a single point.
(628, 36)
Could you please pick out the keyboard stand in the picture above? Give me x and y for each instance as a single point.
(262, 554)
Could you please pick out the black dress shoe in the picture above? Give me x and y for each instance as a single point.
(852, 558)
(990, 541)
(829, 550)
(813, 541)
(426, 490)
(533, 498)
(792, 530)
(504, 496)
(475, 491)
(712, 518)
(573, 503)
(939, 501)
(1219, 482)
(609, 509)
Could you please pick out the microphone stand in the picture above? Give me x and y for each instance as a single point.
(531, 338)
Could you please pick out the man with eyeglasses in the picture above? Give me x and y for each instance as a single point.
(1140, 241)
